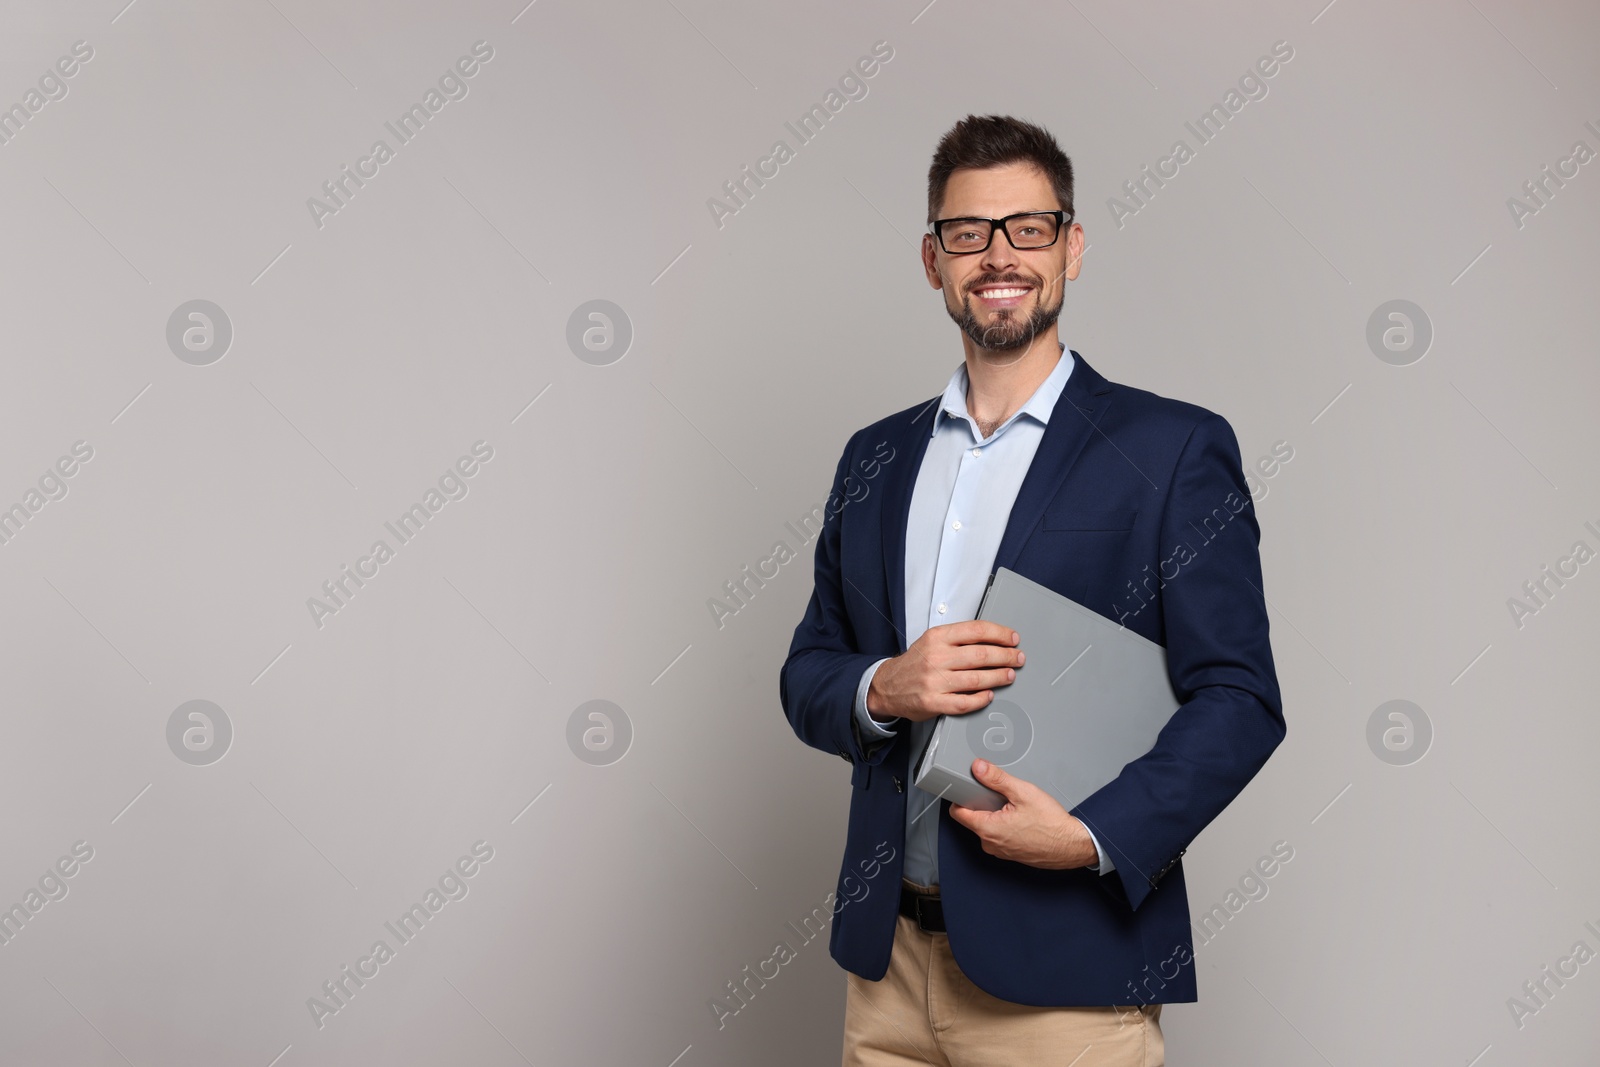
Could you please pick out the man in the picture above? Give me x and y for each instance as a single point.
(1028, 935)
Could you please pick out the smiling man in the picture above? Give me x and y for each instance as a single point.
(1029, 935)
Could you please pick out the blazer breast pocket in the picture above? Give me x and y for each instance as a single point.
(1065, 515)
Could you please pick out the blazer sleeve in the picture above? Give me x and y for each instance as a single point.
(818, 682)
(1230, 715)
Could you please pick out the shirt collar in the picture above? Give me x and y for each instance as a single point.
(1039, 405)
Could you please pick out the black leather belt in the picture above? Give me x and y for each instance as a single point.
(926, 909)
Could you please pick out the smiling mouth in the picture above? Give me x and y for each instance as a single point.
(1002, 295)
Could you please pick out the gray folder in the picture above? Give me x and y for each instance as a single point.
(1090, 699)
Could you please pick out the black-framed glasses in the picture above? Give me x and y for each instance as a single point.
(1026, 230)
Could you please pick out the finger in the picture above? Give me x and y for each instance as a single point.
(967, 657)
(980, 631)
(968, 681)
(960, 703)
(998, 779)
(974, 819)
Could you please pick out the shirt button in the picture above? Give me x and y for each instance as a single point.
(941, 609)
(977, 451)
(956, 525)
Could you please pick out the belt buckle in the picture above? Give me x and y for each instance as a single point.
(920, 899)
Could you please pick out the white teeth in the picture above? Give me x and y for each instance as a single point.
(1003, 294)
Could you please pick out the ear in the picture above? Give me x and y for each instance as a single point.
(930, 265)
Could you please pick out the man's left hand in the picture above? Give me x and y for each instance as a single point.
(1032, 828)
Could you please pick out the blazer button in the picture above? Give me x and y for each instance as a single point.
(899, 786)
(845, 756)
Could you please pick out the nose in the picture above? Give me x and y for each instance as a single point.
(999, 257)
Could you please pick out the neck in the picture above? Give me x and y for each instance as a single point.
(998, 383)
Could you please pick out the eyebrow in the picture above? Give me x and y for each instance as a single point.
(1024, 211)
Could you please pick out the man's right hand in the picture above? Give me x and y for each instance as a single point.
(949, 670)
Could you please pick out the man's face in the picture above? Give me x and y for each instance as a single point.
(981, 289)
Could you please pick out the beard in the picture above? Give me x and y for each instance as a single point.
(1008, 332)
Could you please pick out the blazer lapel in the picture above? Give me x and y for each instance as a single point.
(1074, 419)
(896, 507)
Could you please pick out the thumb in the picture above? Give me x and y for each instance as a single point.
(995, 778)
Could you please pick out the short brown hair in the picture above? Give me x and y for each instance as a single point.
(980, 141)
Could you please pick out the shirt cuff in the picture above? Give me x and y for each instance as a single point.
(870, 725)
(1106, 864)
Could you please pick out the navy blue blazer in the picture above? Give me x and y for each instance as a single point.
(1135, 505)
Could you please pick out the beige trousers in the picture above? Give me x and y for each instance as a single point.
(925, 1011)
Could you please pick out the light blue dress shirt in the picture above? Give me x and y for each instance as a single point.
(963, 496)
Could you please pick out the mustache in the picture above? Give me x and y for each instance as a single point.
(1015, 279)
